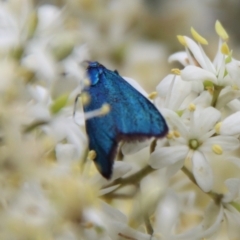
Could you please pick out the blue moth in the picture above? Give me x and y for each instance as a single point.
(132, 116)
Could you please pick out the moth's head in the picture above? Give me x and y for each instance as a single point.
(94, 70)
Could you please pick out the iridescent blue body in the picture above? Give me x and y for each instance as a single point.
(132, 116)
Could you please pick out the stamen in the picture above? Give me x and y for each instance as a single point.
(235, 87)
(86, 82)
(210, 90)
(191, 107)
(225, 49)
(152, 95)
(218, 127)
(176, 134)
(221, 31)
(85, 98)
(170, 135)
(198, 37)
(98, 112)
(176, 71)
(217, 149)
(92, 155)
(182, 40)
(105, 109)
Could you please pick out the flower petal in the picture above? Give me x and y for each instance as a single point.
(233, 222)
(65, 153)
(167, 214)
(175, 121)
(210, 224)
(199, 54)
(234, 160)
(234, 105)
(231, 125)
(164, 85)
(180, 90)
(233, 69)
(227, 143)
(202, 171)
(203, 121)
(193, 73)
(165, 156)
(208, 118)
(129, 148)
(227, 97)
(181, 57)
(233, 185)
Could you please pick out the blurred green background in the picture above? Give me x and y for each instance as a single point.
(137, 36)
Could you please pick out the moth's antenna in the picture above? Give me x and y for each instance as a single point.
(75, 104)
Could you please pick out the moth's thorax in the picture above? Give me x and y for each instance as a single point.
(94, 71)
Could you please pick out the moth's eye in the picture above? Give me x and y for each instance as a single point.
(94, 74)
(93, 65)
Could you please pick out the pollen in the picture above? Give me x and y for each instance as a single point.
(176, 134)
(221, 31)
(218, 127)
(92, 155)
(182, 40)
(235, 87)
(191, 107)
(210, 90)
(152, 95)
(198, 37)
(217, 149)
(176, 71)
(87, 82)
(105, 109)
(85, 97)
(225, 49)
(170, 135)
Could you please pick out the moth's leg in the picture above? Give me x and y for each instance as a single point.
(75, 104)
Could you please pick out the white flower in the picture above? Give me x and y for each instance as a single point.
(63, 127)
(31, 206)
(230, 202)
(49, 19)
(13, 25)
(112, 223)
(174, 93)
(193, 141)
(230, 125)
(223, 72)
(211, 71)
(59, 126)
(167, 214)
(168, 217)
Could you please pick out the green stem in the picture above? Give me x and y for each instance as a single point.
(148, 225)
(133, 179)
(217, 90)
(33, 125)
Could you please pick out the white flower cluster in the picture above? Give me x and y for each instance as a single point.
(50, 188)
(201, 105)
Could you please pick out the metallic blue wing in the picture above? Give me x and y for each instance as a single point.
(132, 116)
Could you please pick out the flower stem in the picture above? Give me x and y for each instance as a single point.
(133, 179)
(217, 90)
